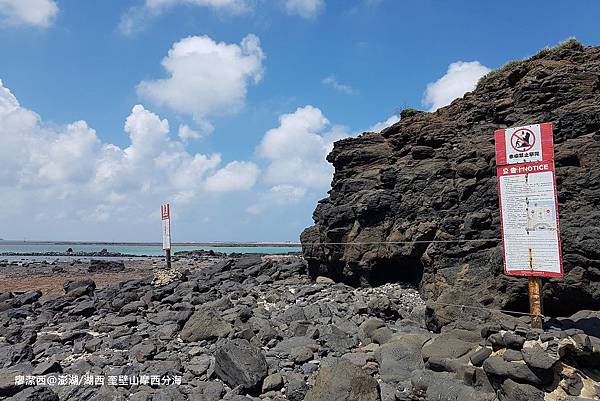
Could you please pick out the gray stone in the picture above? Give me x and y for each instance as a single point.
(76, 289)
(300, 328)
(112, 320)
(324, 280)
(309, 368)
(170, 393)
(8, 386)
(36, 394)
(213, 391)
(198, 365)
(537, 358)
(343, 382)
(168, 331)
(286, 346)
(512, 355)
(513, 341)
(204, 325)
(292, 314)
(126, 342)
(359, 359)
(513, 391)
(443, 386)
(447, 345)
(144, 351)
(338, 340)
(480, 355)
(572, 384)
(86, 308)
(400, 356)
(44, 368)
(141, 396)
(208, 391)
(93, 344)
(272, 382)
(163, 367)
(496, 365)
(382, 335)
(301, 354)
(238, 363)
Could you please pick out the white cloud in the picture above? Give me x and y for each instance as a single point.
(332, 82)
(135, 18)
(297, 170)
(460, 78)
(287, 193)
(70, 169)
(234, 6)
(297, 148)
(377, 127)
(186, 133)
(236, 176)
(37, 13)
(279, 195)
(206, 77)
(304, 8)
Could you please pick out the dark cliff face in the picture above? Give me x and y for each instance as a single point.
(432, 177)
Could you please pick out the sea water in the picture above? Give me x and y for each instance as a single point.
(150, 250)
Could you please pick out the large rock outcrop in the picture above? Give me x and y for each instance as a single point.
(432, 177)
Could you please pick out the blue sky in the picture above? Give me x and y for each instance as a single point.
(267, 88)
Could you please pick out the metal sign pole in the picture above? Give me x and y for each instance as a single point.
(168, 255)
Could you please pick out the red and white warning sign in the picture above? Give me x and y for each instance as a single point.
(532, 143)
(165, 214)
(528, 203)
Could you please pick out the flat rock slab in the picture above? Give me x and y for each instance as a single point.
(343, 382)
(204, 326)
(519, 372)
(453, 344)
(286, 346)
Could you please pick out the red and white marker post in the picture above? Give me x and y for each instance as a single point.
(165, 214)
(528, 207)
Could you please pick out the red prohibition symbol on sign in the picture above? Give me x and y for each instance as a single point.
(522, 140)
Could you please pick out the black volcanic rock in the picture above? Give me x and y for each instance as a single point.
(432, 176)
(226, 336)
(238, 363)
(105, 266)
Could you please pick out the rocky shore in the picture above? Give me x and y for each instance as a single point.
(104, 253)
(256, 328)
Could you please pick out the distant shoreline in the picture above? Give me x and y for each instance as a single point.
(180, 244)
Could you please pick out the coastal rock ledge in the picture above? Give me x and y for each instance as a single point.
(432, 176)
